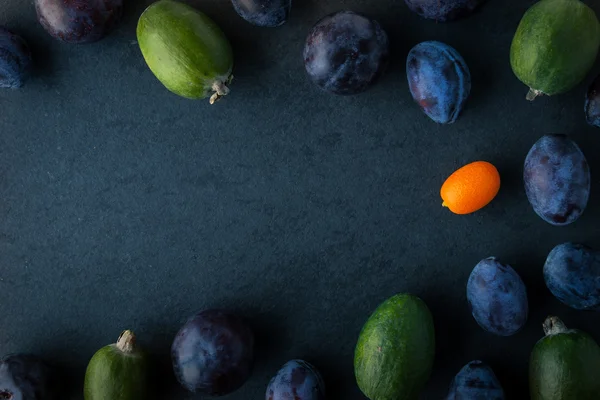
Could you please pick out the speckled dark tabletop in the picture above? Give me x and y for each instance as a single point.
(125, 206)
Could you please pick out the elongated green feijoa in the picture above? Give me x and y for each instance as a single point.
(117, 372)
(185, 50)
(555, 46)
(395, 350)
(564, 364)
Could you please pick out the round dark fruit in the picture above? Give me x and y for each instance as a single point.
(297, 380)
(265, 13)
(79, 21)
(497, 297)
(443, 10)
(475, 381)
(25, 377)
(213, 353)
(15, 60)
(346, 52)
(557, 179)
(439, 80)
(592, 103)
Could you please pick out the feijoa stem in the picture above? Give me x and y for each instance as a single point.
(220, 90)
(553, 326)
(532, 94)
(126, 342)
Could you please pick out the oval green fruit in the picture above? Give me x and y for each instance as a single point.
(117, 372)
(185, 50)
(395, 350)
(555, 46)
(564, 364)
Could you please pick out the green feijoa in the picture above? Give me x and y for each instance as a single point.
(117, 372)
(395, 350)
(555, 46)
(564, 364)
(185, 50)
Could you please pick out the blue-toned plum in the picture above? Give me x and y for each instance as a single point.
(79, 21)
(557, 179)
(346, 52)
(476, 381)
(497, 297)
(572, 273)
(265, 13)
(439, 80)
(443, 10)
(213, 353)
(592, 103)
(296, 380)
(15, 60)
(26, 377)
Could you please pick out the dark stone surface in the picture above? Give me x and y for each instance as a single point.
(124, 206)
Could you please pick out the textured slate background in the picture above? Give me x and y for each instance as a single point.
(124, 206)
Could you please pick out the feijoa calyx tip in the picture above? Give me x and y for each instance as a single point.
(553, 326)
(126, 341)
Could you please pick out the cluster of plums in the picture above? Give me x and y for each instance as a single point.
(498, 298)
(557, 184)
(346, 52)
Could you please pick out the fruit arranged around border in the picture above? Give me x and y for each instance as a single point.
(439, 80)
(470, 188)
(564, 364)
(346, 52)
(551, 53)
(572, 273)
(395, 350)
(185, 50)
(557, 179)
(497, 297)
(118, 371)
(15, 60)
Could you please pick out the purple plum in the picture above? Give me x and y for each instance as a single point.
(443, 10)
(592, 103)
(572, 273)
(345, 53)
(213, 353)
(439, 80)
(476, 381)
(79, 21)
(296, 380)
(26, 377)
(265, 13)
(497, 297)
(557, 179)
(15, 60)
